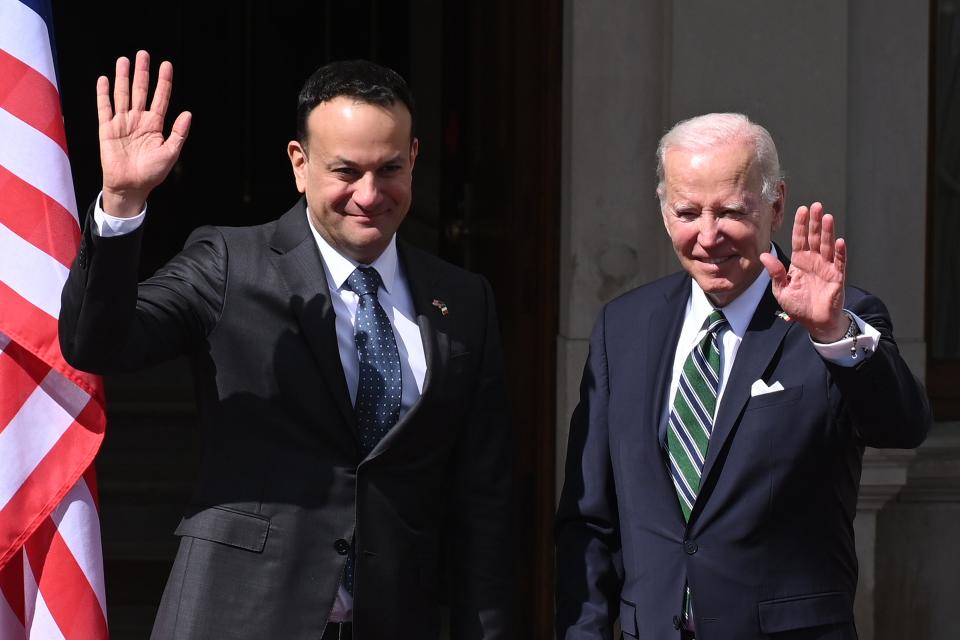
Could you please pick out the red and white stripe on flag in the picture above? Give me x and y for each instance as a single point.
(51, 415)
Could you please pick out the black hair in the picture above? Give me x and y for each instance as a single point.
(361, 80)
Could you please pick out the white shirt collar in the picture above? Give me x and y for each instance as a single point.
(340, 266)
(739, 312)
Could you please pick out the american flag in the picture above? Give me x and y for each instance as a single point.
(51, 416)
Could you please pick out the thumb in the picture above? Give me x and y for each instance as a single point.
(778, 273)
(179, 131)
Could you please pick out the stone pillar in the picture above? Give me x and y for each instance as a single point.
(884, 474)
(917, 568)
(886, 162)
(612, 236)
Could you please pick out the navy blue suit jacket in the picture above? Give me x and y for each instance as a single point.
(769, 547)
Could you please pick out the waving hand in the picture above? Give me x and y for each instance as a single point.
(134, 155)
(811, 292)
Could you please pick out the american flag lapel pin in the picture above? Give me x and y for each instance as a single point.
(440, 304)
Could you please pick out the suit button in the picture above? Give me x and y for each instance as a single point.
(342, 546)
(690, 547)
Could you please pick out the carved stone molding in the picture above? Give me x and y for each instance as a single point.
(885, 472)
(934, 474)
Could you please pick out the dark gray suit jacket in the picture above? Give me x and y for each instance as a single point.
(769, 546)
(282, 485)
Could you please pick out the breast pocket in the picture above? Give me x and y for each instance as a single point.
(775, 398)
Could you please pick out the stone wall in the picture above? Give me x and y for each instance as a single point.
(842, 87)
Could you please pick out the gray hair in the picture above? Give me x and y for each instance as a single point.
(713, 129)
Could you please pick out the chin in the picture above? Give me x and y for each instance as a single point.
(368, 248)
(716, 289)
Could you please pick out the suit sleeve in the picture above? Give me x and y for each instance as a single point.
(589, 566)
(481, 503)
(886, 403)
(109, 323)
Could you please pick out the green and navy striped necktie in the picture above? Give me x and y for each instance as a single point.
(691, 417)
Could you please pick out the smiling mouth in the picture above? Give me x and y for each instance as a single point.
(365, 215)
(715, 261)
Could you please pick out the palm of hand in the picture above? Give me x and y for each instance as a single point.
(813, 290)
(132, 152)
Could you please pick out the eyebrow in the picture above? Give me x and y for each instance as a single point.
(338, 160)
(734, 205)
(341, 161)
(740, 205)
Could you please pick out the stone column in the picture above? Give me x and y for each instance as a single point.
(888, 49)
(917, 567)
(612, 236)
(884, 474)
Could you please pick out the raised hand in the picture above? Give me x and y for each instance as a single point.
(134, 155)
(811, 292)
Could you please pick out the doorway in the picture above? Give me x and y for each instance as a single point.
(486, 77)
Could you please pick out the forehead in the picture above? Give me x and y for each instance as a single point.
(347, 120)
(726, 169)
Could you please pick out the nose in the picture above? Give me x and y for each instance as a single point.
(710, 234)
(367, 193)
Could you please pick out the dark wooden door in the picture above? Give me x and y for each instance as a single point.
(502, 218)
(487, 81)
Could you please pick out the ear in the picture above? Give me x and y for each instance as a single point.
(663, 209)
(414, 150)
(298, 162)
(778, 207)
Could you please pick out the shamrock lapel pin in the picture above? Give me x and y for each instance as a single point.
(440, 304)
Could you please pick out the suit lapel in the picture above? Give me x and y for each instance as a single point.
(760, 344)
(424, 284)
(664, 331)
(298, 260)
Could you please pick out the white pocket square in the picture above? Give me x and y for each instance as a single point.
(760, 387)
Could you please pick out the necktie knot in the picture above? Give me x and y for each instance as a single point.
(364, 281)
(715, 321)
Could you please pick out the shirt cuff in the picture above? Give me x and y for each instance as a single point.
(839, 352)
(106, 225)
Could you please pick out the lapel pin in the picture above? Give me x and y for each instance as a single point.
(440, 304)
(783, 315)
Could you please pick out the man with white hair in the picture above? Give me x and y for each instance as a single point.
(715, 455)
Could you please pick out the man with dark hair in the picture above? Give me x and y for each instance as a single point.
(358, 79)
(350, 387)
(715, 455)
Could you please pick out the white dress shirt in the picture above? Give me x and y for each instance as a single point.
(395, 298)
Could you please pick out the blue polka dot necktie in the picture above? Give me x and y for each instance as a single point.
(378, 389)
